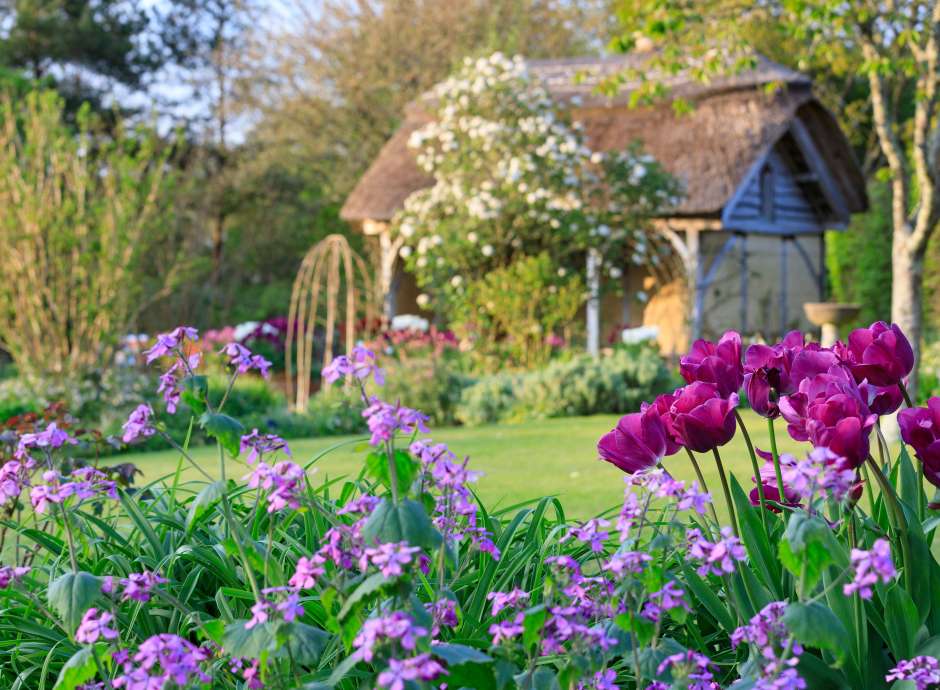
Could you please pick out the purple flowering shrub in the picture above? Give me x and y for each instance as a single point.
(261, 575)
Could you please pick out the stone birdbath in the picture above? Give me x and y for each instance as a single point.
(829, 316)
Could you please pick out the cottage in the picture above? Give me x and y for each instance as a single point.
(765, 169)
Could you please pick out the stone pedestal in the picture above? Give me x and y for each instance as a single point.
(829, 316)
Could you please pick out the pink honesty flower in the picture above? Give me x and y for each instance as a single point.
(690, 666)
(10, 574)
(923, 671)
(385, 419)
(359, 363)
(778, 652)
(14, 477)
(406, 671)
(506, 600)
(628, 562)
(139, 424)
(716, 363)
(870, 567)
(639, 441)
(920, 429)
(307, 572)
(717, 558)
(241, 358)
(670, 597)
(49, 439)
(94, 625)
(702, 418)
(162, 660)
(880, 354)
(591, 532)
(258, 445)
(389, 558)
(375, 632)
(167, 343)
(283, 482)
(505, 631)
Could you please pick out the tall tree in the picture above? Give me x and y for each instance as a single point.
(894, 46)
(332, 80)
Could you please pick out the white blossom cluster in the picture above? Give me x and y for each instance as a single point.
(513, 177)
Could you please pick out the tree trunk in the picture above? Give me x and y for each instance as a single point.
(907, 268)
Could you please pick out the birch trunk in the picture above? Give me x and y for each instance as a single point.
(907, 268)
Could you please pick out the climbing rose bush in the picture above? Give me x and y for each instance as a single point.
(814, 572)
(513, 178)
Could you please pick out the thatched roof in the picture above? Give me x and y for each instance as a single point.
(734, 121)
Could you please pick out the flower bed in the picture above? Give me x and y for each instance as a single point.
(823, 576)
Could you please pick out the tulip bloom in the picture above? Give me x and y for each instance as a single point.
(767, 373)
(702, 418)
(638, 442)
(880, 354)
(716, 363)
(920, 429)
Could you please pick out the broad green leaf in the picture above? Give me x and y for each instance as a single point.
(224, 429)
(543, 678)
(819, 675)
(248, 643)
(209, 494)
(532, 624)
(72, 594)
(762, 557)
(366, 587)
(195, 391)
(807, 543)
(911, 491)
(305, 642)
(901, 622)
(458, 654)
(213, 630)
(705, 594)
(816, 626)
(80, 668)
(406, 469)
(406, 521)
(343, 668)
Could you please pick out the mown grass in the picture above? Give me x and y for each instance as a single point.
(554, 457)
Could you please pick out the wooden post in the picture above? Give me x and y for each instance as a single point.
(388, 257)
(593, 304)
(696, 291)
(744, 278)
(822, 267)
(784, 283)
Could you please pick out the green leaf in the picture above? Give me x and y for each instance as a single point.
(543, 678)
(224, 429)
(343, 669)
(213, 630)
(72, 594)
(305, 642)
(406, 521)
(406, 469)
(204, 500)
(901, 621)
(248, 643)
(808, 543)
(755, 539)
(532, 625)
(365, 588)
(815, 625)
(195, 392)
(705, 594)
(80, 668)
(458, 654)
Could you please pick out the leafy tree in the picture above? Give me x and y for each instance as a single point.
(79, 218)
(894, 47)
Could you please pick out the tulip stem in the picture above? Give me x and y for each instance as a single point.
(896, 517)
(757, 478)
(776, 456)
(701, 480)
(907, 396)
(727, 490)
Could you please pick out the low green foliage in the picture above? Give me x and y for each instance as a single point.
(617, 382)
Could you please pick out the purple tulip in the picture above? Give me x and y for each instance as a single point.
(639, 441)
(830, 411)
(717, 363)
(880, 354)
(882, 400)
(702, 418)
(767, 373)
(920, 429)
(768, 479)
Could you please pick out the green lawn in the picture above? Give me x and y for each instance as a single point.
(520, 461)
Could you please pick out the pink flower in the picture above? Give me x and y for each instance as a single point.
(702, 418)
(870, 567)
(139, 424)
(359, 363)
(880, 354)
(506, 600)
(307, 572)
(639, 441)
(167, 343)
(716, 363)
(923, 671)
(920, 429)
(10, 574)
(94, 625)
(389, 558)
(767, 373)
(717, 558)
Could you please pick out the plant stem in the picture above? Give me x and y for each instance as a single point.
(727, 490)
(392, 471)
(757, 478)
(776, 456)
(899, 523)
(907, 396)
(701, 479)
(69, 537)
